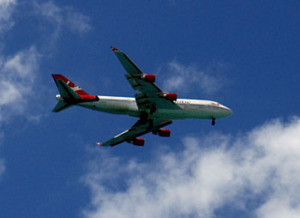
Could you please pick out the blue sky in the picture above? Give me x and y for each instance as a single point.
(242, 54)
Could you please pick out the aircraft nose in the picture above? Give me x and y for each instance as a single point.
(227, 110)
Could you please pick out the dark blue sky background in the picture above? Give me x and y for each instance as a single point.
(242, 54)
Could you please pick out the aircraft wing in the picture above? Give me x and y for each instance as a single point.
(150, 95)
(141, 127)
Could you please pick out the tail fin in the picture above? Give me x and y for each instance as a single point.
(70, 93)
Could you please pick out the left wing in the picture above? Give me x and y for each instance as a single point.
(141, 127)
(150, 96)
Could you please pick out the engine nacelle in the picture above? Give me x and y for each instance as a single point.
(171, 96)
(164, 132)
(149, 78)
(138, 142)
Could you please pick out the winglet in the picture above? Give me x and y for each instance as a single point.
(114, 49)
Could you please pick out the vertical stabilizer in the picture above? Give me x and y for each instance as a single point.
(70, 93)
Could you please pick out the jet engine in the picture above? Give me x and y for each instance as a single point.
(164, 132)
(149, 78)
(171, 96)
(138, 142)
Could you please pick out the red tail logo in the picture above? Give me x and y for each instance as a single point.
(83, 95)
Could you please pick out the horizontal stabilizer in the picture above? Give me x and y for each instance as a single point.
(61, 105)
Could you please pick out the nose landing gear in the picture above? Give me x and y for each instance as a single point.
(213, 121)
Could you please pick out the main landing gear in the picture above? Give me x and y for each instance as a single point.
(152, 110)
(213, 121)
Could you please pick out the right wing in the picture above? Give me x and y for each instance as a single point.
(141, 127)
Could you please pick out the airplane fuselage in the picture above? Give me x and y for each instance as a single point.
(187, 108)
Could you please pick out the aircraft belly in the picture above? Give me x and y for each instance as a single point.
(175, 114)
(186, 112)
(204, 112)
(114, 107)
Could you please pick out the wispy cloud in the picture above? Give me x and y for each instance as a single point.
(20, 71)
(17, 76)
(77, 22)
(6, 10)
(209, 175)
(62, 18)
(188, 78)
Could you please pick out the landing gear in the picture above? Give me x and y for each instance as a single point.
(152, 110)
(213, 121)
(143, 117)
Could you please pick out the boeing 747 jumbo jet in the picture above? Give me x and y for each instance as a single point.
(154, 107)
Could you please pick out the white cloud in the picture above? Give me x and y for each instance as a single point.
(6, 10)
(77, 22)
(50, 11)
(63, 18)
(17, 76)
(60, 19)
(7, 2)
(23, 65)
(209, 174)
(19, 72)
(187, 78)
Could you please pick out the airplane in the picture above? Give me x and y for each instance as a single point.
(154, 107)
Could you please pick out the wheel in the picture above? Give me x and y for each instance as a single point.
(152, 110)
(213, 121)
